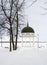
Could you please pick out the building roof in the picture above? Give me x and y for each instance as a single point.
(27, 29)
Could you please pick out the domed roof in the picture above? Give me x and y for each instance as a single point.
(27, 29)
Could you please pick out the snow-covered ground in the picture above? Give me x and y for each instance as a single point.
(23, 56)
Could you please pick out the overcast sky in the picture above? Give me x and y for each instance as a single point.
(36, 20)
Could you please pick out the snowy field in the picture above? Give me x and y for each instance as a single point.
(23, 56)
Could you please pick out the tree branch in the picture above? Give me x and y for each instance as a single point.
(4, 27)
(4, 9)
(11, 6)
(43, 8)
(20, 6)
(33, 2)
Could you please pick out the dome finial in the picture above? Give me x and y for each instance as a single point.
(27, 24)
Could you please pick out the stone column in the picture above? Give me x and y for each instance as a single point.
(38, 40)
(22, 40)
(1, 41)
(33, 40)
(30, 40)
(25, 40)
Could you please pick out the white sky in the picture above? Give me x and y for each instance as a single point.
(36, 20)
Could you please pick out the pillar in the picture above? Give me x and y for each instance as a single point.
(38, 40)
(33, 40)
(25, 39)
(1, 41)
(22, 40)
(30, 40)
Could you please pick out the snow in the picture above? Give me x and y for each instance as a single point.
(23, 56)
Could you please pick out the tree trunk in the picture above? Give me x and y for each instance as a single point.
(16, 42)
(16, 31)
(13, 41)
(11, 36)
(10, 42)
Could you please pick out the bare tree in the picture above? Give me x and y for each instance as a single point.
(19, 7)
(7, 17)
(10, 14)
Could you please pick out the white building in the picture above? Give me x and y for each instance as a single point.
(28, 36)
